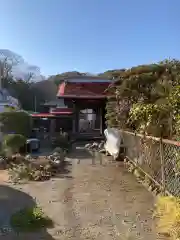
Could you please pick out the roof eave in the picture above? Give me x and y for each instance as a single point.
(82, 97)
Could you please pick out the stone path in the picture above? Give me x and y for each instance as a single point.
(91, 202)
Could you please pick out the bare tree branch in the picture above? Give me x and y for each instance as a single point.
(13, 65)
(31, 73)
(8, 60)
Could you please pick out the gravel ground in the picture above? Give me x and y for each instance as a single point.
(90, 202)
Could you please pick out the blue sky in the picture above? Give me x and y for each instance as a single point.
(90, 35)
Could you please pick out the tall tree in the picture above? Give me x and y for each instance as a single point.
(20, 80)
(8, 62)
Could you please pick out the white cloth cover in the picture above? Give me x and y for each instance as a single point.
(113, 141)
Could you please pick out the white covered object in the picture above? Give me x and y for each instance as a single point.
(113, 141)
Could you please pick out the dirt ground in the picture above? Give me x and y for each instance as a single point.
(100, 202)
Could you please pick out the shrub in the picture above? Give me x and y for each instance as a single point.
(56, 159)
(42, 173)
(30, 172)
(30, 219)
(17, 122)
(19, 172)
(13, 142)
(58, 150)
(168, 214)
(62, 141)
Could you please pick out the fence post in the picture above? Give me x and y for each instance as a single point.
(137, 150)
(162, 166)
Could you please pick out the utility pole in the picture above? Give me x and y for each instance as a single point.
(35, 103)
(1, 74)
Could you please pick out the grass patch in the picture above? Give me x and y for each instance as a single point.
(168, 215)
(30, 220)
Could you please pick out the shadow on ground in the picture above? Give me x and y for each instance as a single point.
(79, 151)
(65, 170)
(12, 200)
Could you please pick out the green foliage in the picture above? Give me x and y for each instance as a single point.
(24, 89)
(13, 142)
(111, 74)
(26, 92)
(147, 99)
(177, 126)
(58, 150)
(16, 122)
(29, 220)
(57, 79)
(164, 118)
(62, 141)
(111, 116)
(151, 118)
(28, 95)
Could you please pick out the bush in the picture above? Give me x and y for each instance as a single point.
(13, 142)
(62, 141)
(19, 172)
(40, 169)
(168, 214)
(27, 171)
(42, 173)
(30, 219)
(16, 122)
(58, 150)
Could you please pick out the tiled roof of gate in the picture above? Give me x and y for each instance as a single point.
(82, 90)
